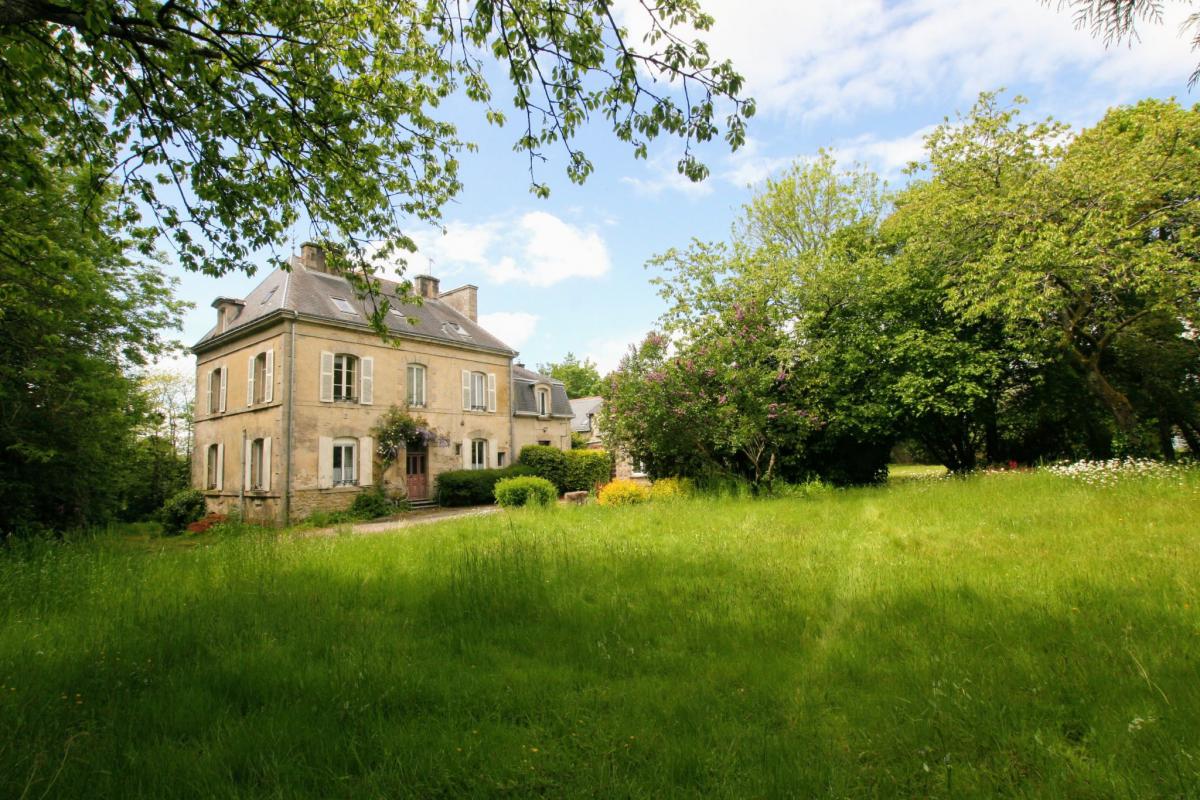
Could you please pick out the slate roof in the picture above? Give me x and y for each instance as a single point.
(524, 400)
(311, 294)
(583, 408)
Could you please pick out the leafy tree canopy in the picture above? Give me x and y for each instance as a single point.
(581, 378)
(233, 121)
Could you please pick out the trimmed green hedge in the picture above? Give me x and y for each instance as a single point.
(526, 491)
(587, 470)
(546, 462)
(474, 487)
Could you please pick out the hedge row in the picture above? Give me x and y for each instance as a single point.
(474, 487)
(570, 471)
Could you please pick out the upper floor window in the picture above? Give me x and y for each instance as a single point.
(217, 383)
(260, 381)
(344, 369)
(479, 454)
(416, 385)
(543, 402)
(479, 391)
(347, 378)
(344, 460)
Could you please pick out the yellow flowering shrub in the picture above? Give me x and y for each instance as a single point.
(623, 492)
(672, 489)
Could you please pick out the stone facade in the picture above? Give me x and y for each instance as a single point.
(296, 389)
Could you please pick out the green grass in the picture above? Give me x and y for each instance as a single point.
(1015, 635)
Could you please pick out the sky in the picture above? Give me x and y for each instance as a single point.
(867, 78)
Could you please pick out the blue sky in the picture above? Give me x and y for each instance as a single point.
(867, 78)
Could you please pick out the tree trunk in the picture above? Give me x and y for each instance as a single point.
(1111, 396)
(1165, 437)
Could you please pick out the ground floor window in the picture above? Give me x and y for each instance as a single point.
(256, 464)
(479, 454)
(500, 458)
(344, 461)
(214, 466)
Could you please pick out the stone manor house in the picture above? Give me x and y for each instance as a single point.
(291, 380)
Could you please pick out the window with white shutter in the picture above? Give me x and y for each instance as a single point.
(491, 391)
(324, 462)
(366, 460)
(326, 392)
(415, 394)
(366, 392)
(250, 370)
(268, 389)
(224, 386)
(466, 390)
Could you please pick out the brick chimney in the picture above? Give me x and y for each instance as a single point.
(426, 286)
(228, 309)
(464, 300)
(312, 258)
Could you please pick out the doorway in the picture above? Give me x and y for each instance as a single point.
(417, 474)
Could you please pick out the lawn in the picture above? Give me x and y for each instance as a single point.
(1008, 635)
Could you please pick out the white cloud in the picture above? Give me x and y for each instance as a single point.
(749, 165)
(514, 328)
(662, 174)
(836, 60)
(536, 248)
(606, 352)
(886, 156)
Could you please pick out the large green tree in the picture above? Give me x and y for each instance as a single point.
(1072, 243)
(82, 305)
(233, 121)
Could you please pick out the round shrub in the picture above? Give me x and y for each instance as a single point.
(672, 489)
(623, 492)
(181, 510)
(527, 491)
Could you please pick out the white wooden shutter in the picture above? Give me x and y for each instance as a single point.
(466, 387)
(224, 382)
(466, 453)
(366, 460)
(269, 378)
(327, 389)
(324, 462)
(250, 383)
(491, 401)
(247, 463)
(491, 454)
(220, 467)
(266, 465)
(366, 391)
(208, 383)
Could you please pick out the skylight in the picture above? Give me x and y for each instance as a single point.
(343, 305)
(267, 299)
(455, 328)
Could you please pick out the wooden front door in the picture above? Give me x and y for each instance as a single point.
(418, 478)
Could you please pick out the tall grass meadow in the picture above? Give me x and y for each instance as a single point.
(1016, 635)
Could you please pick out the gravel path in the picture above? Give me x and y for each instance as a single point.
(409, 520)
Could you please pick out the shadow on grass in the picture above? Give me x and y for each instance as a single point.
(522, 668)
